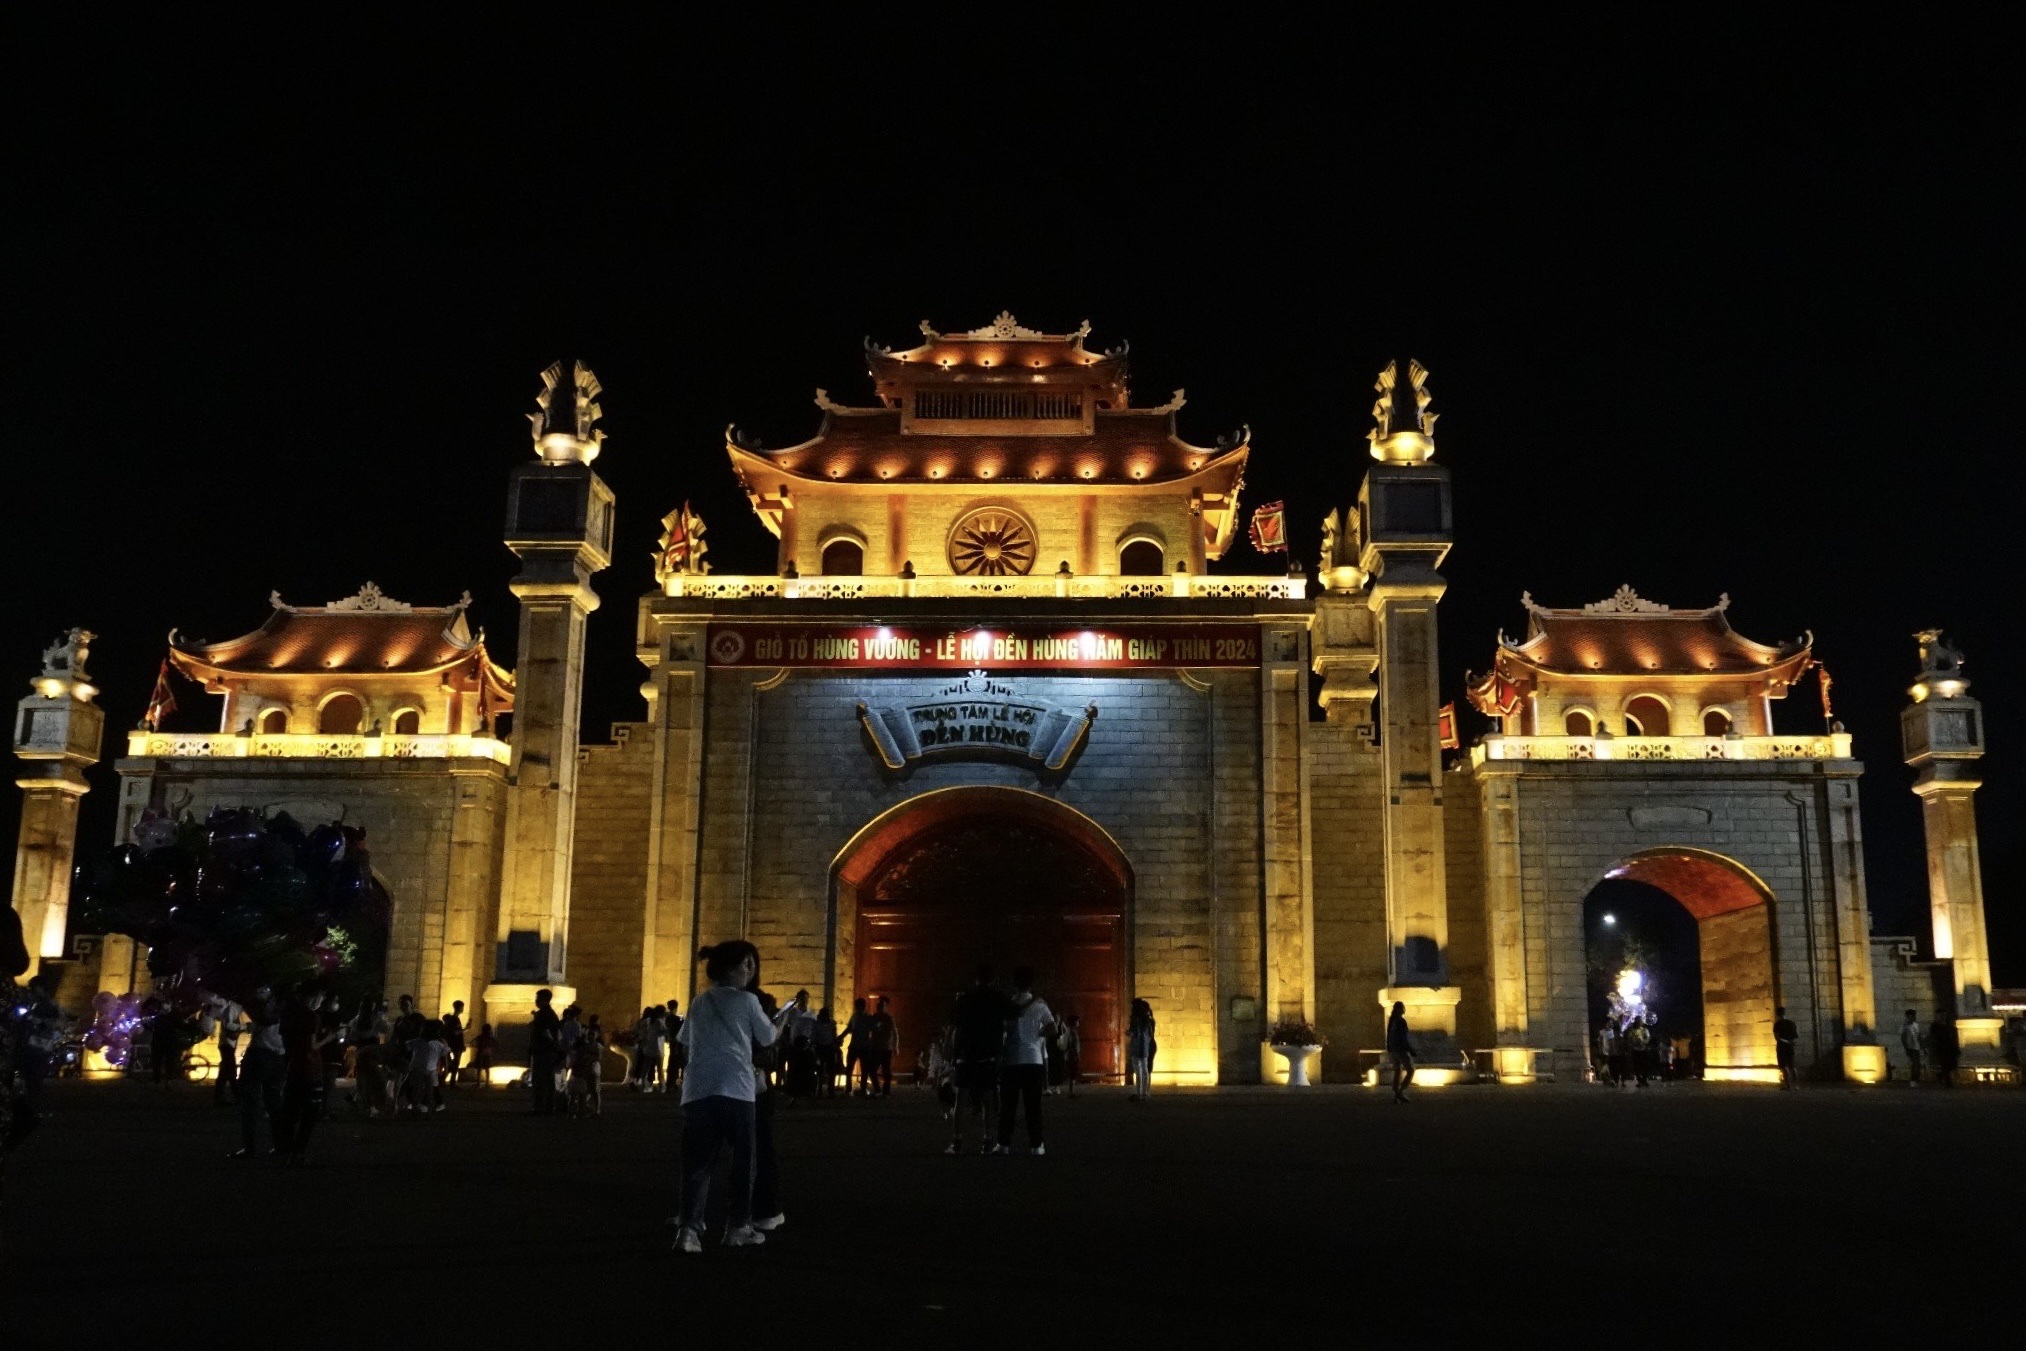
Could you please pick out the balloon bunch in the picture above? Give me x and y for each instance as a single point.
(243, 901)
(116, 1025)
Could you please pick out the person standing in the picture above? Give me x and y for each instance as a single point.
(857, 1037)
(453, 1039)
(1025, 1074)
(261, 1073)
(1639, 1045)
(1140, 1046)
(1943, 1048)
(567, 1036)
(545, 1048)
(647, 1049)
(1072, 1052)
(1400, 1050)
(978, 1039)
(426, 1056)
(302, 1091)
(826, 1053)
(1910, 1042)
(1786, 1037)
(726, 1025)
(484, 1050)
(885, 1034)
(229, 1027)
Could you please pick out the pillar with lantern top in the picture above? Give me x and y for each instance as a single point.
(58, 731)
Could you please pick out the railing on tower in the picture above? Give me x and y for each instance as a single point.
(720, 586)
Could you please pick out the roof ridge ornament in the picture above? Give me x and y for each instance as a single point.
(680, 550)
(1404, 430)
(1626, 601)
(372, 598)
(566, 415)
(1005, 326)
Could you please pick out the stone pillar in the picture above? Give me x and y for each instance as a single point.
(57, 735)
(673, 652)
(559, 524)
(1942, 733)
(1289, 897)
(1498, 786)
(1863, 1057)
(1404, 523)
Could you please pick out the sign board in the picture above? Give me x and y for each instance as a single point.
(977, 718)
(1018, 647)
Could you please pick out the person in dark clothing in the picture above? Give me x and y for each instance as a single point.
(545, 1050)
(304, 1033)
(229, 1028)
(262, 1071)
(1400, 1050)
(453, 1038)
(1945, 1049)
(978, 1040)
(1024, 1074)
(1786, 1036)
(885, 1037)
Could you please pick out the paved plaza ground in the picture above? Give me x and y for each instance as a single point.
(1570, 1209)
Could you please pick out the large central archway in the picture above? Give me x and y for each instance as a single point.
(950, 879)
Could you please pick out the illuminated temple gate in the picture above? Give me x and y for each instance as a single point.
(1005, 695)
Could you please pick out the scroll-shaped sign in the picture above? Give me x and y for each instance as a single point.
(975, 719)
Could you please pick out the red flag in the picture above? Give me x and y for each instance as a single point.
(161, 703)
(1269, 531)
(1445, 722)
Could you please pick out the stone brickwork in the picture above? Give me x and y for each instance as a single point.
(608, 876)
(1782, 821)
(433, 828)
(1171, 771)
(1469, 958)
(1348, 863)
(1905, 980)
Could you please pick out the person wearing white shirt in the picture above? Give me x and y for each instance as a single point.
(725, 1025)
(1024, 1073)
(1910, 1041)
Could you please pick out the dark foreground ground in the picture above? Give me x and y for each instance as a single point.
(1216, 1217)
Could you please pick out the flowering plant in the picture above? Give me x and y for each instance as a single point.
(1295, 1032)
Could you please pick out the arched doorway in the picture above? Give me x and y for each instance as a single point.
(953, 878)
(1698, 928)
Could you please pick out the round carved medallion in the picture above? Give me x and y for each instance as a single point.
(992, 542)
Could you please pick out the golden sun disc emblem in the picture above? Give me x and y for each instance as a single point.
(992, 542)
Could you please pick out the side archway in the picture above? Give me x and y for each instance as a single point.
(1736, 955)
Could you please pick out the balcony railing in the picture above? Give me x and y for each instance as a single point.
(314, 746)
(1828, 746)
(718, 586)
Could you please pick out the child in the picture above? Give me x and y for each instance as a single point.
(426, 1055)
(375, 1093)
(586, 1074)
(483, 1048)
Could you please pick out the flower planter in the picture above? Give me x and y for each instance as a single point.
(1297, 1058)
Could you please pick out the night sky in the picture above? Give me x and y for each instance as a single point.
(1706, 310)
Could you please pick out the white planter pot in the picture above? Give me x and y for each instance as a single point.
(1297, 1058)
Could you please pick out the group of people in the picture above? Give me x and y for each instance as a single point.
(566, 1059)
(1632, 1052)
(1934, 1049)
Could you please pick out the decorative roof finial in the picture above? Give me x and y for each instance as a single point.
(566, 415)
(681, 548)
(1405, 430)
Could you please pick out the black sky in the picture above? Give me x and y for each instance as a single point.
(1707, 309)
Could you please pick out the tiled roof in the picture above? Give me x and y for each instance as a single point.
(348, 638)
(1138, 446)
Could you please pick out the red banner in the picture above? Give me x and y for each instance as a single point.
(1017, 647)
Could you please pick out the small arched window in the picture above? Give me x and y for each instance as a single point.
(340, 716)
(273, 721)
(1576, 722)
(1716, 722)
(843, 558)
(408, 722)
(1646, 716)
(1141, 558)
